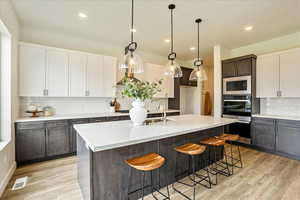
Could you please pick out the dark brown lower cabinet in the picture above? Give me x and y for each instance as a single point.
(30, 144)
(278, 136)
(58, 140)
(36, 141)
(263, 133)
(288, 137)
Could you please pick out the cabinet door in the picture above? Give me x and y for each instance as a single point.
(154, 73)
(110, 76)
(290, 73)
(30, 144)
(57, 141)
(263, 133)
(288, 137)
(95, 76)
(243, 67)
(57, 73)
(228, 69)
(267, 76)
(73, 134)
(32, 65)
(77, 74)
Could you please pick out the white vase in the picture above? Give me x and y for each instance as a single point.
(138, 113)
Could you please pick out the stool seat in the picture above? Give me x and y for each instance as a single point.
(212, 141)
(146, 162)
(191, 149)
(228, 137)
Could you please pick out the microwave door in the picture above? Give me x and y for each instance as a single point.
(237, 85)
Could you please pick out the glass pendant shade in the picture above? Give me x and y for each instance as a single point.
(198, 74)
(173, 69)
(132, 63)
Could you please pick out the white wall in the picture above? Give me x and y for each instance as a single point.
(268, 46)
(7, 155)
(219, 54)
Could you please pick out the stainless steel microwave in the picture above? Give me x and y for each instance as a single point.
(237, 85)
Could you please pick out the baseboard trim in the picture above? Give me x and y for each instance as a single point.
(7, 178)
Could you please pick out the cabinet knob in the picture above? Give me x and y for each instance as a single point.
(279, 93)
(87, 93)
(45, 92)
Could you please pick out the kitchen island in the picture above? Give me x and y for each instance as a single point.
(102, 149)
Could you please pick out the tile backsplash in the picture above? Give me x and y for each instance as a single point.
(82, 105)
(280, 106)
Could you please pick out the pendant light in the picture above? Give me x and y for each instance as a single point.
(172, 68)
(132, 62)
(198, 73)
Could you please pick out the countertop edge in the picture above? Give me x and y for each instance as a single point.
(81, 116)
(123, 144)
(293, 118)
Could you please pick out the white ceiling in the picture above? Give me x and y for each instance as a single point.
(223, 21)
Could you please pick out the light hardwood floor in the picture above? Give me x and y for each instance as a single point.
(264, 177)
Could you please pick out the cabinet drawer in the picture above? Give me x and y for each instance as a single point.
(30, 125)
(263, 120)
(289, 123)
(173, 113)
(79, 121)
(56, 123)
(96, 120)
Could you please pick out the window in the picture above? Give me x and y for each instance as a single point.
(5, 84)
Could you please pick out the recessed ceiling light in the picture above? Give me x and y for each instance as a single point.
(82, 15)
(193, 48)
(133, 30)
(248, 28)
(167, 40)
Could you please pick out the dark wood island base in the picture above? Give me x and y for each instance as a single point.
(104, 175)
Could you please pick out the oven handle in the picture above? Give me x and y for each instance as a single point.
(226, 100)
(244, 122)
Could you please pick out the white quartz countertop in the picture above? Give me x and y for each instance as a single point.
(296, 118)
(82, 116)
(109, 135)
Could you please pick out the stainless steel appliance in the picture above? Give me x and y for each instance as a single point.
(238, 107)
(237, 85)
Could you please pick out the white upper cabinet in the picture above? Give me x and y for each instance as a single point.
(57, 73)
(53, 72)
(32, 70)
(267, 76)
(110, 76)
(77, 74)
(290, 73)
(278, 74)
(94, 76)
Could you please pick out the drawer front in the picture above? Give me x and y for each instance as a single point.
(79, 121)
(289, 123)
(263, 120)
(96, 120)
(173, 113)
(30, 125)
(56, 123)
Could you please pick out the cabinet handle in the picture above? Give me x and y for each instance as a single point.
(87, 93)
(45, 92)
(279, 93)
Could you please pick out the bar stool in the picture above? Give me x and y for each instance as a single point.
(146, 163)
(234, 160)
(216, 167)
(191, 150)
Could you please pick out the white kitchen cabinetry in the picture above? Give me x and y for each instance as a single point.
(95, 78)
(155, 72)
(110, 76)
(57, 73)
(267, 76)
(77, 74)
(290, 73)
(32, 71)
(53, 72)
(278, 74)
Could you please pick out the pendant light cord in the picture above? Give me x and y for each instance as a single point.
(172, 34)
(198, 42)
(132, 13)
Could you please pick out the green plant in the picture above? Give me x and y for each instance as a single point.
(140, 89)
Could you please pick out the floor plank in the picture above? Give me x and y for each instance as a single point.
(264, 177)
